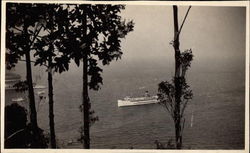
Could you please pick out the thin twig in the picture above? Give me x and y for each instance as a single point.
(183, 126)
(183, 108)
(18, 29)
(184, 20)
(14, 134)
(34, 37)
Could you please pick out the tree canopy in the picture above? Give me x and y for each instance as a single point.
(57, 34)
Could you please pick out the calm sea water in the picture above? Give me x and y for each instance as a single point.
(217, 106)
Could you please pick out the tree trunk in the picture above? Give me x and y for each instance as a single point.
(51, 105)
(51, 101)
(85, 103)
(32, 104)
(177, 80)
(85, 95)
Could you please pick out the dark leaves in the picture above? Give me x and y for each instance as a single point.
(166, 88)
(95, 74)
(21, 26)
(69, 32)
(186, 58)
(61, 64)
(94, 30)
(167, 92)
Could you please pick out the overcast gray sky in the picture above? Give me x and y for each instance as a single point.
(214, 33)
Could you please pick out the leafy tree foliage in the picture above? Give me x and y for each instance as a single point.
(19, 134)
(23, 24)
(15, 118)
(51, 43)
(98, 36)
(59, 33)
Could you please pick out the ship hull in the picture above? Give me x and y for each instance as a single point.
(123, 103)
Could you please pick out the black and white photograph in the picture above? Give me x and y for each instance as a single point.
(117, 75)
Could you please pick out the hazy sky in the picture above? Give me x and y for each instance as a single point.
(214, 33)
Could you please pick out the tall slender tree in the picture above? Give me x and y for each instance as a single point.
(95, 35)
(49, 52)
(23, 25)
(175, 96)
(44, 33)
(44, 52)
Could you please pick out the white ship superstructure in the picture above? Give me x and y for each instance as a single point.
(127, 101)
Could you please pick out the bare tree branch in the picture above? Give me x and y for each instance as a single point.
(184, 20)
(183, 108)
(18, 29)
(35, 36)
